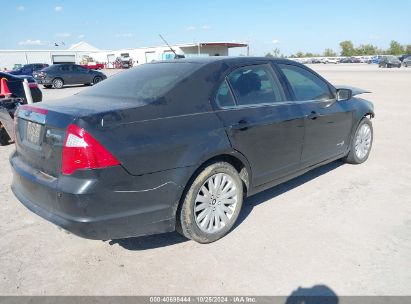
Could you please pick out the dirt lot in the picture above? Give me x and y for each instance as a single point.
(343, 226)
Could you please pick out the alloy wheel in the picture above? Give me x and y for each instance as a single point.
(215, 203)
(363, 141)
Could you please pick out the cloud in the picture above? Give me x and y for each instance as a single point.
(58, 8)
(125, 35)
(190, 28)
(32, 42)
(63, 35)
(206, 27)
(275, 41)
(374, 37)
(81, 36)
(20, 8)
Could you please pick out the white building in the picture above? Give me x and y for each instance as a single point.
(149, 54)
(74, 54)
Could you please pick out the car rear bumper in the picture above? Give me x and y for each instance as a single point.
(100, 204)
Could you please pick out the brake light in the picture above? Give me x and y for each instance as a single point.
(34, 109)
(82, 151)
(33, 85)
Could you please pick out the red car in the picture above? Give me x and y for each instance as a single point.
(93, 66)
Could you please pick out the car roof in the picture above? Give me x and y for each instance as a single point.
(222, 59)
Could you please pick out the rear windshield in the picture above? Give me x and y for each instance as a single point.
(145, 83)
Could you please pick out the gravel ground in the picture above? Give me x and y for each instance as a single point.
(342, 226)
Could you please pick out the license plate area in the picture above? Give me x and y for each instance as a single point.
(33, 133)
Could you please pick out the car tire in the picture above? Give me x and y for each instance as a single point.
(212, 203)
(4, 137)
(97, 79)
(58, 83)
(361, 143)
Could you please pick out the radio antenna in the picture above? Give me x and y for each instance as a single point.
(175, 54)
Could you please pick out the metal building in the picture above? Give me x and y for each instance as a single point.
(74, 54)
(149, 54)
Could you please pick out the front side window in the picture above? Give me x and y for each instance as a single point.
(255, 85)
(78, 68)
(306, 85)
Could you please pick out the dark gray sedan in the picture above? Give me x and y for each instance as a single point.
(59, 75)
(407, 62)
(178, 145)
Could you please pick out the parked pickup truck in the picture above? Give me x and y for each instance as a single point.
(93, 66)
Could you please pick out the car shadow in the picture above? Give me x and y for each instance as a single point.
(150, 241)
(173, 238)
(70, 86)
(273, 192)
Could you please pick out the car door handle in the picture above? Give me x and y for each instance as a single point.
(242, 125)
(313, 115)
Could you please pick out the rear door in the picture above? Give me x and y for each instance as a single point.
(328, 123)
(260, 121)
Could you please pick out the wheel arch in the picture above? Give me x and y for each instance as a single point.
(234, 158)
(58, 77)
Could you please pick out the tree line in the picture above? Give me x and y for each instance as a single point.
(348, 49)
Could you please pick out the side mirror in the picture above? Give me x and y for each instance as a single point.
(344, 94)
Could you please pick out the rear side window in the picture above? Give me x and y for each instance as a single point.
(224, 97)
(146, 82)
(306, 85)
(255, 84)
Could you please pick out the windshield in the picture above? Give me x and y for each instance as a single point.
(145, 83)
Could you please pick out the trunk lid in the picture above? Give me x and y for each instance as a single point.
(41, 129)
(40, 137)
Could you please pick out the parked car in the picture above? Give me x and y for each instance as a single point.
(389, 62)
(59, 75)
(331, 60)
(375, 59)
(93, 66)
(179, 144)
(29, 69)
(407, 62)
(348, 60)
(405, 56)
(17, 66)
(316, 60)
(15, 85)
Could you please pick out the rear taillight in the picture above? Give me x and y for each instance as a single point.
(82, 151)
(33, 85)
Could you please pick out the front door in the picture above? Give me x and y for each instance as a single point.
(327, 122)
(260, 121)
(81, 75)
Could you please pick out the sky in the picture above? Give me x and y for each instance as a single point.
(290, 26)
